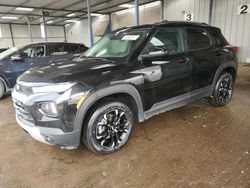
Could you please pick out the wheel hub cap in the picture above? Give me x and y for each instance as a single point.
(113, 128)
(225, 90)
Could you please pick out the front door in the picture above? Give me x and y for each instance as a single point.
(29, 57)
(166, 67)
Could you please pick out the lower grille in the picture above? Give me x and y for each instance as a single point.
(22, 111)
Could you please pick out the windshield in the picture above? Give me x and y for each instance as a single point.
(10, 51)
(117, 45)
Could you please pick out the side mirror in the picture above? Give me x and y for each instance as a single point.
(16, 57)
(145, 59)
(159, 53)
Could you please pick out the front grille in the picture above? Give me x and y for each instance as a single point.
(22, 112)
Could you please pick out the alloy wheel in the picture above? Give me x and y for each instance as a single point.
(113, 128)
(225, 89)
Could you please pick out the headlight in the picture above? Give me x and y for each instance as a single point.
(58, 88)
(48, 109)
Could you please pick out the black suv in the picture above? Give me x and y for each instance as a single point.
(128, 76)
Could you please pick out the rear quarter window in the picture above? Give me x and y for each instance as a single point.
(77, 48)
(220, 39)
(197, 38)
(59, 49)
(74, 48)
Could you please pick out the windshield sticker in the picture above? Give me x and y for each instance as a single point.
(130, 37)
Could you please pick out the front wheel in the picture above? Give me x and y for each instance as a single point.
(223, 90)
(108, 127)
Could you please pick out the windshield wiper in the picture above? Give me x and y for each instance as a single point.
(98, 58)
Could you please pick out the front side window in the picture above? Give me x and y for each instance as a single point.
(10, 52)
(197, 39)
(33, 52)
(165, 40)
(59, 49)
(117, 45)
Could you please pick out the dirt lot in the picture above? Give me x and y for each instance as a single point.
(194, 146)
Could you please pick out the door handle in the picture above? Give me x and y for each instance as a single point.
(184, 60)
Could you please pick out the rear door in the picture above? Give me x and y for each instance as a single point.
(204, 65)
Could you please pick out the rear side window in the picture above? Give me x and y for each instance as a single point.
(75, 48)
(197, 38)
(220, 39)
(59, 49)
(83, 48)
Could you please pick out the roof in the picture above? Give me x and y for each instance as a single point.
(171, 23)
(43, 43)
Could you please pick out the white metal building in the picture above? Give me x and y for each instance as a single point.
(225, 14)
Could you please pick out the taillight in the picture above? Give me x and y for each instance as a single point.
(235, 49)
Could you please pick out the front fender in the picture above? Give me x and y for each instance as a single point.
(104, 92)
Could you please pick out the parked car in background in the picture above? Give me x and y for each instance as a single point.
(16, 60)
(128, 76)
(3, 49)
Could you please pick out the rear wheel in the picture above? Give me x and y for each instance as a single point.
(108, 127)
(2, 89)
(223, 90)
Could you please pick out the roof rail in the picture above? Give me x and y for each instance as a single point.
(163, 21)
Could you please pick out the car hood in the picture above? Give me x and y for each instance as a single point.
(86, 70)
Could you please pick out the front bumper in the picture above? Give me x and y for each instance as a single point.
(58, 131)
(51, 136)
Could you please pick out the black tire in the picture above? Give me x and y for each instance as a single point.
(103, 133)
(223, 90)
(2, 89)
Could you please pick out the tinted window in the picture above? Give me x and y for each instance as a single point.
(32, 52)
(83, 48)
(197, 38)
(59, 49)
(220, 39)
(75, 48)
(165, 39)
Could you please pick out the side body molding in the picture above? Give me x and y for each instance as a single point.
(104, 92)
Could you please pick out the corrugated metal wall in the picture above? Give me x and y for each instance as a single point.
(148, 14)
(78, 32)
(236, 28)
(176, 9)
(5, 39)
(21, 34)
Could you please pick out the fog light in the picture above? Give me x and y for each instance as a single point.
(48, 139)
(48, 109)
